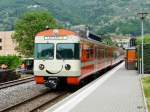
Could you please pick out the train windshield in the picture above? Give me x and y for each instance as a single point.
(68, 51)
(44, 51)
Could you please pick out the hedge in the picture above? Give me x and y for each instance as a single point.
(11, 61)
(146, 57)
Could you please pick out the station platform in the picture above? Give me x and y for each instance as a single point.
(119, 90)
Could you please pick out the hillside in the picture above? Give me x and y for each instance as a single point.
(102, 16)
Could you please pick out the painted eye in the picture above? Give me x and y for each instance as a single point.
(41, 66)
(67, 67)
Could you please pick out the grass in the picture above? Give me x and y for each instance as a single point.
(146, 85)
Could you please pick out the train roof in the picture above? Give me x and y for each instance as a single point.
(56, 32)
(65, 32)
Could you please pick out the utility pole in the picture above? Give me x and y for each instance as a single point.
(142, 16)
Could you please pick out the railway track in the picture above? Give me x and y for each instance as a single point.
(35, 103)
(51, 102)
(16, 82)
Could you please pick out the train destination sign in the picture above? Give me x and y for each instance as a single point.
(55, 38)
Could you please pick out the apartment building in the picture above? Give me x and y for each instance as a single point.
(7, 45)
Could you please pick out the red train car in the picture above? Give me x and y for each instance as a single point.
(62, 55)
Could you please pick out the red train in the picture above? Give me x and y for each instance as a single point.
(64, 56)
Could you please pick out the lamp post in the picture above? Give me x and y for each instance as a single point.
(142, 16)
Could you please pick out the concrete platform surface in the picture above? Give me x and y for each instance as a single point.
(119, 90)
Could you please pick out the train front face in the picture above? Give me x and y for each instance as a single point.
(56, 58)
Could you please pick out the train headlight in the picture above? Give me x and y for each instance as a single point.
(67, 67)
(41, 66)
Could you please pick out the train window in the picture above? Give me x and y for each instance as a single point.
(89, 54)
(44, 51)
(68, 51)
(106, 53)
(99, 53)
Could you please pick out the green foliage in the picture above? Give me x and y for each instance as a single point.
(108, 41)
(122, 26)
(146, 85)
(103, 16)
(28, 26)
(146, 57)
(11, 61)
(146, 40)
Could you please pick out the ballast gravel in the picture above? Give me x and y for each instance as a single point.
(16, 94)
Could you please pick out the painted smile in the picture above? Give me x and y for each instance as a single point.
(49, 72)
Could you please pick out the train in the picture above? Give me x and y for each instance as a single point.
(63, 56)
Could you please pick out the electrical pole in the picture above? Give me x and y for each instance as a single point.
(142, 16)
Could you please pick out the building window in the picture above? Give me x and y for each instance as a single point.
(0, 47)
(0, 40)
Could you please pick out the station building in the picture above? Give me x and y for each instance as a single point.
(7, 45)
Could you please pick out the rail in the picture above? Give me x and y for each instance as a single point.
(34, 103)
(16, 82)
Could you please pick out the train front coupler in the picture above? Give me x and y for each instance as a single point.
(52, 82)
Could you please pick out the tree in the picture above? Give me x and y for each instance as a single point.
(108, 41)
(27, 27)
(146, 40)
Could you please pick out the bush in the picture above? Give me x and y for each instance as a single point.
(146, 40)
(146, 57)
(11, 61)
